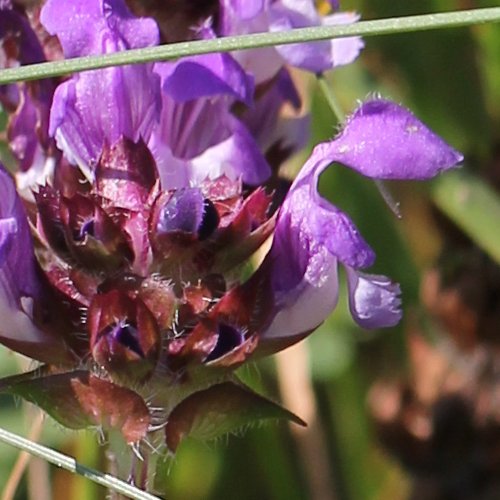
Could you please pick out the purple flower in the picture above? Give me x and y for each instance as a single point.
(380, 140)
(132, 286)
(20, 287)
(201, 139)
(206, 76)
(319, 56)
(188, 127)
(282, 15)
(128, 96)
(29, 103)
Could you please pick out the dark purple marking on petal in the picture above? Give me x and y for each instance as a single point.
(87, 228)
(229, 337)
(210, 220)
(126, 333)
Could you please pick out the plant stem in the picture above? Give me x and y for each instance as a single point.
(227, 44)
(73, 466)
(330, 98)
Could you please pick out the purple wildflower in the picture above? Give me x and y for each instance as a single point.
(131, 288)
(282, 15)
(380, 140)
(129, 95)
(28, 103)
(20, 285)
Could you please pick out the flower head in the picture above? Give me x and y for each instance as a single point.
(131, 284)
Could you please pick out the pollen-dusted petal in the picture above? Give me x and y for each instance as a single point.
(383, 140)
(373, 300)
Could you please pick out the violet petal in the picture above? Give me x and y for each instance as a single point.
(306, 306)
(18, 280)
(373, 300)
(90, 27)
(208, 75)
(317, 56)
(129, 96)
(201, 139)
(383, 140)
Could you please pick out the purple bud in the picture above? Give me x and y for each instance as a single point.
(124, 335)
(187, 211)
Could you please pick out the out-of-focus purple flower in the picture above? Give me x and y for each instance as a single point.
(283, 15)
(380, 140)
(29, 103)
(128, 96)
(319, 56)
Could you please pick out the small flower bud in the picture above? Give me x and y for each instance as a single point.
(124, 335)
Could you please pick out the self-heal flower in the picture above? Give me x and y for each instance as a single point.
(131, 288)
(381, 140)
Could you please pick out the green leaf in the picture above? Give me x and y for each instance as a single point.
(79, 400)
(473, 206)
(219, 410)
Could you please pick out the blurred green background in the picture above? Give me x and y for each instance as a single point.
(451, 80)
